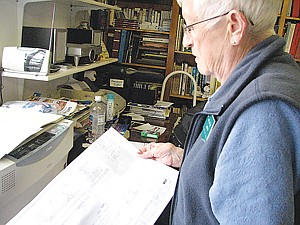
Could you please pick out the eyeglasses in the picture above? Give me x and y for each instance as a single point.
(189, 28)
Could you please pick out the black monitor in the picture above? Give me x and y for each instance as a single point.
(40, 37)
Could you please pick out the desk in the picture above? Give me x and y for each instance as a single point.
(168, 124)
(80, 135)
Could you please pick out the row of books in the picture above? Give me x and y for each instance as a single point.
(126, 23)
(182, 84)
(292, 36)
(179, 36)
(294, 8)
(143, 16)
(140, 47)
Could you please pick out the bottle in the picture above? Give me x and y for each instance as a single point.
(97, 119)
(110, 106)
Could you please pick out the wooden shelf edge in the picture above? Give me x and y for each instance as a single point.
(61, 73)
(142, 30)
(145, 66)
(187, 97)
(98, 4)
(292, 18)
(183, 53)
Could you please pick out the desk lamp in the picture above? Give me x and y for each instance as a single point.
(180, 72)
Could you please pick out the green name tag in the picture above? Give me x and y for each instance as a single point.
(207, 127)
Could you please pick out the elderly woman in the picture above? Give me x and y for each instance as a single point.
(241, 160)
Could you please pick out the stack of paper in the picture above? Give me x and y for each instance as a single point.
(16, 125)
(158, 110)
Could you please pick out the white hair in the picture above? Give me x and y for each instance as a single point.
(262, 13)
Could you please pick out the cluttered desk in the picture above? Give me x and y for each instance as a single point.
(131, 115)
(34, 154)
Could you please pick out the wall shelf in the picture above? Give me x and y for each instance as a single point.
(143, 30)
(61, 73)
(80, 3)
(292, 18)
(145, 66)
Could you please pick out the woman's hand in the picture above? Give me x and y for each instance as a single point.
(166, 153)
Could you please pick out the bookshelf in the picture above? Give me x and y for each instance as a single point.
(289, 27)
(182, 59)
(141, 40)
(170, 52)
(141, 48)
(177, 57)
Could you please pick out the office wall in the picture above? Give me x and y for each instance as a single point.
(11, 21)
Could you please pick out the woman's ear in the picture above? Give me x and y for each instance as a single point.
(237, 26)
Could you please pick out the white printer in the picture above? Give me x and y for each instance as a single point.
(26, 170)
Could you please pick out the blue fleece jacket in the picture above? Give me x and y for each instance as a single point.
(247, 171)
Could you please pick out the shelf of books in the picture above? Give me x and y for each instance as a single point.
(141, 48)
(141, 37)
(289, 27)
(182, 87)
(292, 36)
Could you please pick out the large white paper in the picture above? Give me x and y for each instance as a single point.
(107, 184)
(16, 125)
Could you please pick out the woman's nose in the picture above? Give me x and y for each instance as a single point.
(186, 41)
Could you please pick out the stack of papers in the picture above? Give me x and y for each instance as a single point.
(71, 110)
(159, 110)
(16, 125)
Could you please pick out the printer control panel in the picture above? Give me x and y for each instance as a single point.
(38, 147)
(31, 145)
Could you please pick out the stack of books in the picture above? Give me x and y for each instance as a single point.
(127, 23)
(151, 49)
(155, 40)
(156, 111)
